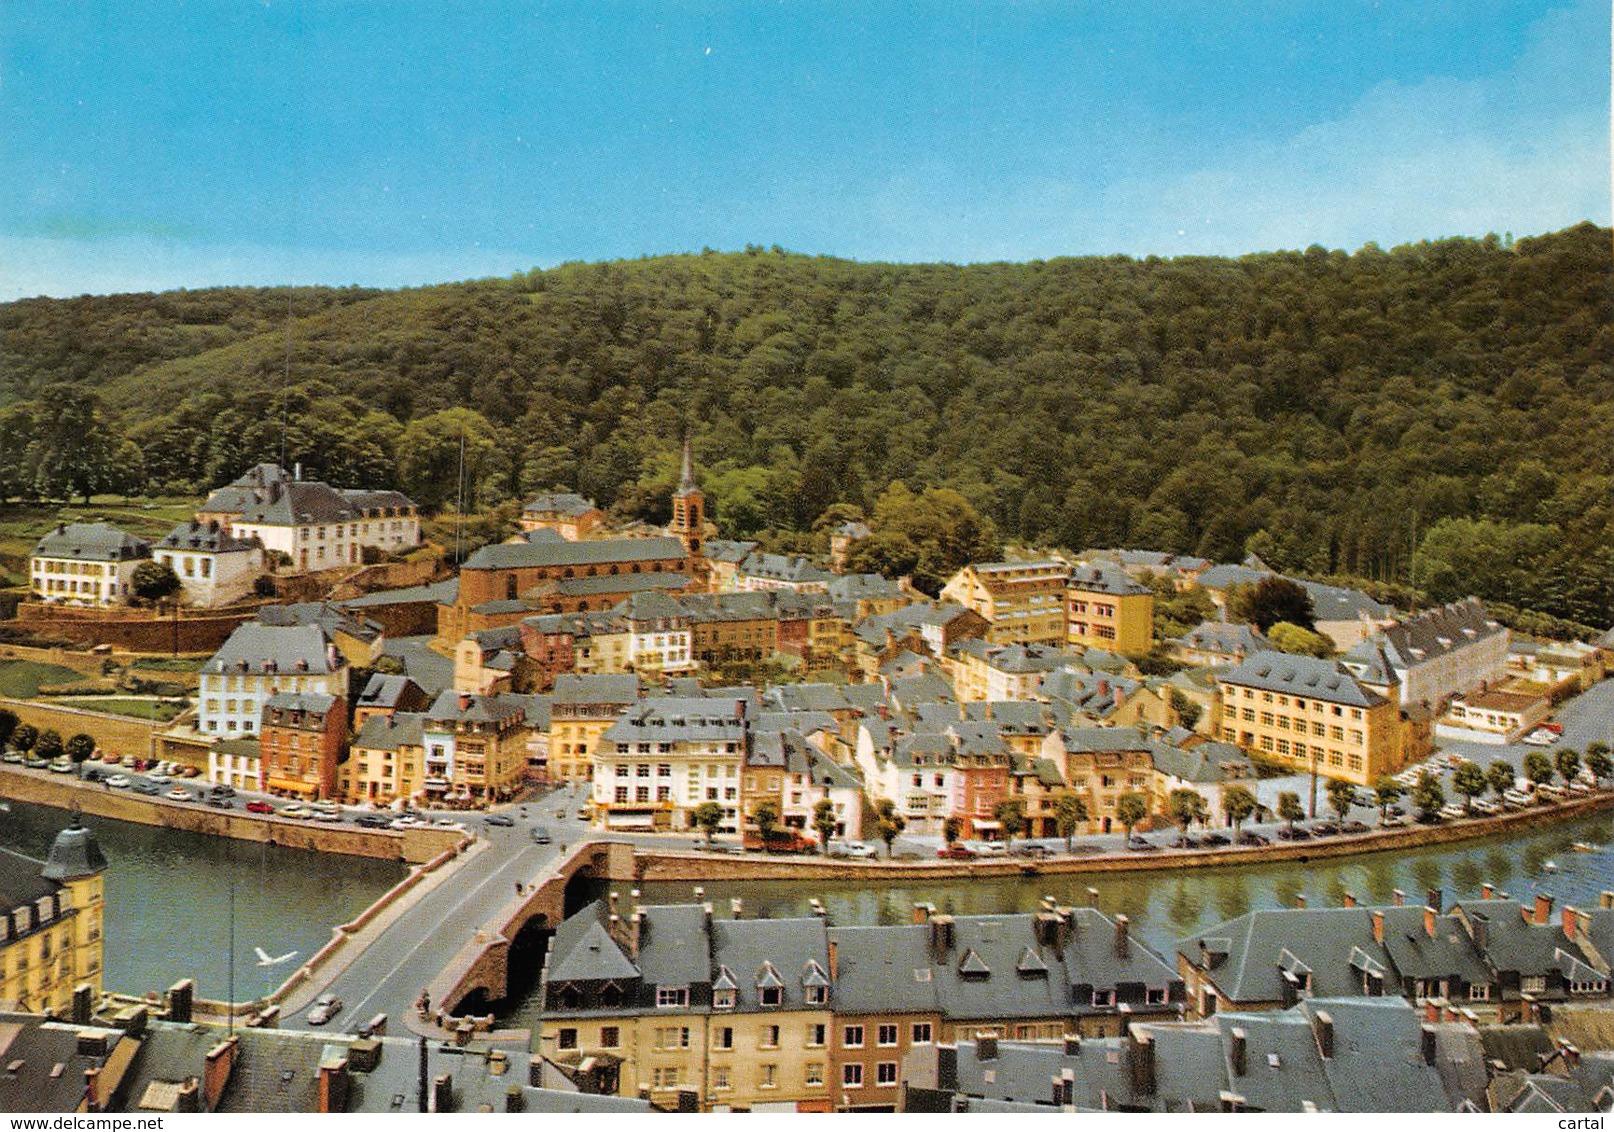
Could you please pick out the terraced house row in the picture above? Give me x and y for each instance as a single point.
(694, 1011)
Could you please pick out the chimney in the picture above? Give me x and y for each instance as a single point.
(737, 908)
(986, 1047)
(1606, 900)
(498, 1063)
(1480, 929)
(834, 960)
(465, 701)
(1122, 924)
(1323, 1026)
(217, 1065)
(1092, 898)
(333, 1085)
(1431, 1011)
(1073, 1045)
(1543, 911)
(1378, 925)
(941, 934)
(1571, 1054)
(1426, 1043)
(514, 1099)
(189, 1098)
(1239, 1051)
(1571, 919)
(1429, 915)
(1398, 898)
(83, 1004)
(1487, 890)
(92, 1089)
(1435, 899)
(921, 913)
(1348, 900)
(1300, 900)
(443, 1093)
(92, 1043)
(635, 932)
(180, 996)
(1143, 1065)
(364, 1055)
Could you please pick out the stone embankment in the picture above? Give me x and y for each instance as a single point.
(65, 792)
(673, 865)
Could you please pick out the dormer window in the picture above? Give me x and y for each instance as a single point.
(722, 1000)
(815, 996)
(770, 987)
(770, 996)
(1103, 997)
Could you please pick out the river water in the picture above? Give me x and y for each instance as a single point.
(1167, 905)
(169, 896)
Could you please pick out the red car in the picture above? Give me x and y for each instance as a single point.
(257, 807)
(955, 853)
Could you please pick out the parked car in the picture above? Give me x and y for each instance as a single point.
(1142, 845)
(540, 835)
(372, 821)
(160, 777)
(1578, 787)
(148, 788)
(1185, 842)
(259, 806)
(179, 794)
(1366, 798)
(405, 822)
(1033, 851)
(1354, 826)
(581, 813)
(119, 781)
(988, 848)
(37, 764)
(852, 850)
(223, 790)
(1324, 829)
(62, 766)
(1294, 833)
(1540, 737)
(296, 810)
(956, 853)
(1392, 821)
(1250, 837)
(1487, 807)
(11, 757)
(1216, 839)
(327, 813)
(94, 774)
(1518, 799)
(504, 820)
(221, 803)
(326, 1007)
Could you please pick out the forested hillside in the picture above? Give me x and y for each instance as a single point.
(1324, 409)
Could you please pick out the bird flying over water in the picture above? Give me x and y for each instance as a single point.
(264, 959)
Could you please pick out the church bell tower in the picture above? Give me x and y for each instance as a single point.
(688, 508)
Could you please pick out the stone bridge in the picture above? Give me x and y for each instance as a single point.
(480, 972)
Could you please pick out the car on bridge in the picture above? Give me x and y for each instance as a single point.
(119, 781)
(504, 820)
(540, 835)
(258, 806)
(326, 1007)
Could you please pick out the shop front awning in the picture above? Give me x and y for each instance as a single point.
(629, 821)
(987, 826)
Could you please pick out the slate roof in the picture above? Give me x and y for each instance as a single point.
(443, 593)
(477, 709)
(560, 503)
(611, 583)
(576, 688)
(282, 646)
(317, 703)
(329, 617)
(782, 568)
(210, 537)
(91, 542)
(1226, 637)
(667, 719)
(21, 881)
(864, 587)
(928, 689)
(1334, 603)
(707, 608)
(50, 1076)
(808, 697)
(1223, 576)
(392, 732)
(674, 946)
(1257, 945)
(726, 550)
(1096, 579)
(1016, 658)
(1429, 636)
(426, 667)
(592, 552)
(1304, 676)
(764, 952)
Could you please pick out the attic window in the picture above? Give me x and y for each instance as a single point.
(921, 974)
(1274, 1061)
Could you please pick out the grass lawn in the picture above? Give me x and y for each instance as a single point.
(22, 525)
(161, 711)
(20, 679)
(167, 664)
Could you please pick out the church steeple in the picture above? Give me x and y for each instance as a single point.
(688, 507)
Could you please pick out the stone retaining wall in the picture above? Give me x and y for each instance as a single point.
(121, 733)
(138, 630)
(665, 865)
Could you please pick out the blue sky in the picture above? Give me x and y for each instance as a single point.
(164, 144)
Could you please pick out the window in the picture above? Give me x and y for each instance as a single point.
(567, 1038)
(886, 1035)
(641, 794)
(814, 1076)
(621, 794)
(642, 770)
(672, 996)
(769, 1038)
(1533, 984)
(720, 1077)
(672, 1037)
(664, 1077)
(723, 1037)
(816, 996)
(663, 770)
(767, 1076)
(1479, 992)
(852, 1037)
(1103, 997)
(921, 1033)
(610, 1037)
(770, 996)
(1156, 996)
(852, 1075)
(723, 1000)
(885, 1073)
(815, 1034)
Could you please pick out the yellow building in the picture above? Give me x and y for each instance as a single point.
(983, 671)
(582, 708)
(1024, 601)
(476, 748)
(1102, 764)
(1304, 713)
(50, 937)
(1108, 610)
(386, 761)
(568, 514)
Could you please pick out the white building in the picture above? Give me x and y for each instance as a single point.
(316, 526)
(86, 564)
(785, 768)
(259, 661)
(914, 771)
(1435, 655)
(666, 756)
(214, 566)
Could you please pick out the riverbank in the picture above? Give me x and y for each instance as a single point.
(64, 792)
(655, 865)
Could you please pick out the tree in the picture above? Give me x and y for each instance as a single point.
(1291, 638)
(952, 830)
(1471, 781)
(1188, 712)
(1069, 814)
(80, 747)
(1238, 804)
(1289, 808)
(1500, 775)
(1538, 768)
(49, 744)
(1130, 809)
(1567, 760)
(1270, 601)
(1186, 806)
(1341, 797)
(1598, 760)
(24, 737)
(888, 823)
(766, 818)
(8, 726)
(1010, 814)
(707, 817)
(927, 536)
(1428, 797)
(429, 458)
(152, 581)
(1387, 791)
(824, 822)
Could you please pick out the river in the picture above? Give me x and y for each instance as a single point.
(169, 894)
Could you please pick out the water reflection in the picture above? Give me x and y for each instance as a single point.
(168, 897)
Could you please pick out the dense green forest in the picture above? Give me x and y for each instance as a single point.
(1329, 410)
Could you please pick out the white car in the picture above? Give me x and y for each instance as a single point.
(1451, 811)
(159, 778)
(854, 850)
(987, 848)
(119, 782)
(1540, 737)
